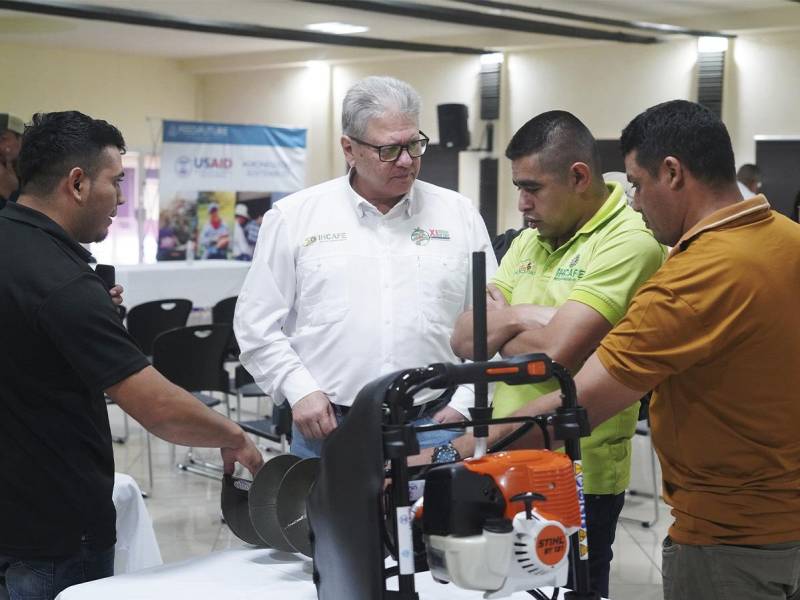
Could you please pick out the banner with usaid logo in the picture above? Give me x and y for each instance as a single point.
(196, 155)
(217, 180)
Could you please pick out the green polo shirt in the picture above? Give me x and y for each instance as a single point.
(602, 266)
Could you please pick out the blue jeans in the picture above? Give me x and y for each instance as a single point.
(44, 579)
(311, 448)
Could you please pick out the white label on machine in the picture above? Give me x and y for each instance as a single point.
(416, 488)
(405, 544)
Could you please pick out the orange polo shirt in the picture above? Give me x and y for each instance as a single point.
(716, 333)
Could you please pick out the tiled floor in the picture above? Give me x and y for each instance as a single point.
(186, 516)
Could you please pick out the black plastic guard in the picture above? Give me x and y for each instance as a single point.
(344, 506)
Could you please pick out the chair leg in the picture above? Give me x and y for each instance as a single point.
(656, 504)
(206, 469)
(121, 439)
(149, 465)
(655, 494)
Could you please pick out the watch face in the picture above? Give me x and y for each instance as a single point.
(445, 454)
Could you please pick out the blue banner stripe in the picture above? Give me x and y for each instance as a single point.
(198, 132)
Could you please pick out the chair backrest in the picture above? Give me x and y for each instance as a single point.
(241, 376)
(192, 357)
(146, 321)
(222, 312)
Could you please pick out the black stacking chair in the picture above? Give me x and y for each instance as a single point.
(146, 321)
(275, 427)
(193, 358)
(222, 312)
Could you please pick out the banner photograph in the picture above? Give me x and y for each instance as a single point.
(217, 181)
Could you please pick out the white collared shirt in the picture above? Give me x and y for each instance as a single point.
(339, 294)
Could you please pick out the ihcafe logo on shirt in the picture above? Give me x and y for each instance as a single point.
(325, 237)
(570, 272)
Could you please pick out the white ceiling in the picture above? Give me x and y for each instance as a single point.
(18, 27)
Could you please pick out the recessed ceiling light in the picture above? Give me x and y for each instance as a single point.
(337, 28)
(712, 44)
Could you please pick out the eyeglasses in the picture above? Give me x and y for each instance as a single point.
(391, 152)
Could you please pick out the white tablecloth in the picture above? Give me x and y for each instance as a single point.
(239, 574)
(204, 282)
(136, 547)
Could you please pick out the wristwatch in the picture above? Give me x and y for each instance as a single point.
(446, 453)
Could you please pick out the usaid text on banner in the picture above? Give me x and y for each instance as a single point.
(217, 156)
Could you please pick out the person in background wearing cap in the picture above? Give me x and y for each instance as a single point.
(215, 235)
(242, 250)
(64, 347)
(11, 130)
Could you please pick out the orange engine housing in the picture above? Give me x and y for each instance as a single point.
(545, 472)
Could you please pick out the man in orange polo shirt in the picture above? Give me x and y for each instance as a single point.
(716, 333)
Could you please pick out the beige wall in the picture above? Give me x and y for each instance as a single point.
(296, 96)
(762, 90)
(125, 90)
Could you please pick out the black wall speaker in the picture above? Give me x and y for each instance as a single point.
(489, 169)
(490, 91)
(453, 131)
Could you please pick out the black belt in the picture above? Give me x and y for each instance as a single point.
(428, 409)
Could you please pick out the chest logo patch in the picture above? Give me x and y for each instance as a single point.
(574, 261)
(526, 267)
(570, 272)
(420, 237)
(325, 237)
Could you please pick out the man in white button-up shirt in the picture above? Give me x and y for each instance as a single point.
(361, 275)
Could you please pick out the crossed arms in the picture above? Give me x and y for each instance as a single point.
(567, 334)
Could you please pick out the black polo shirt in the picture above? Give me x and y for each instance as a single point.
(61, 344)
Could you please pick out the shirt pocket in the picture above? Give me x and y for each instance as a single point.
(323, 290)
(442, 287)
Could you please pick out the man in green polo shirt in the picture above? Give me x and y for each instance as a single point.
(562, 285)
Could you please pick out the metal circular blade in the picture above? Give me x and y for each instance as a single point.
(235, 509)
(263, 497)
(291, 504)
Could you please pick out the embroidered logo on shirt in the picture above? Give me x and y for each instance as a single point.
(526, 267)
(574, 261)
(570, 272)
(325, 237)
(420, 237)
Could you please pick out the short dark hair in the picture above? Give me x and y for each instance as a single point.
(748, 173)
(561, 136)
(686, 130)
(56, 142)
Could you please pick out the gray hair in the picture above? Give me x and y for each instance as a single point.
(376, 96)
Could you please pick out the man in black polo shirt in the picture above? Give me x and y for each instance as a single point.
(63, 345)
